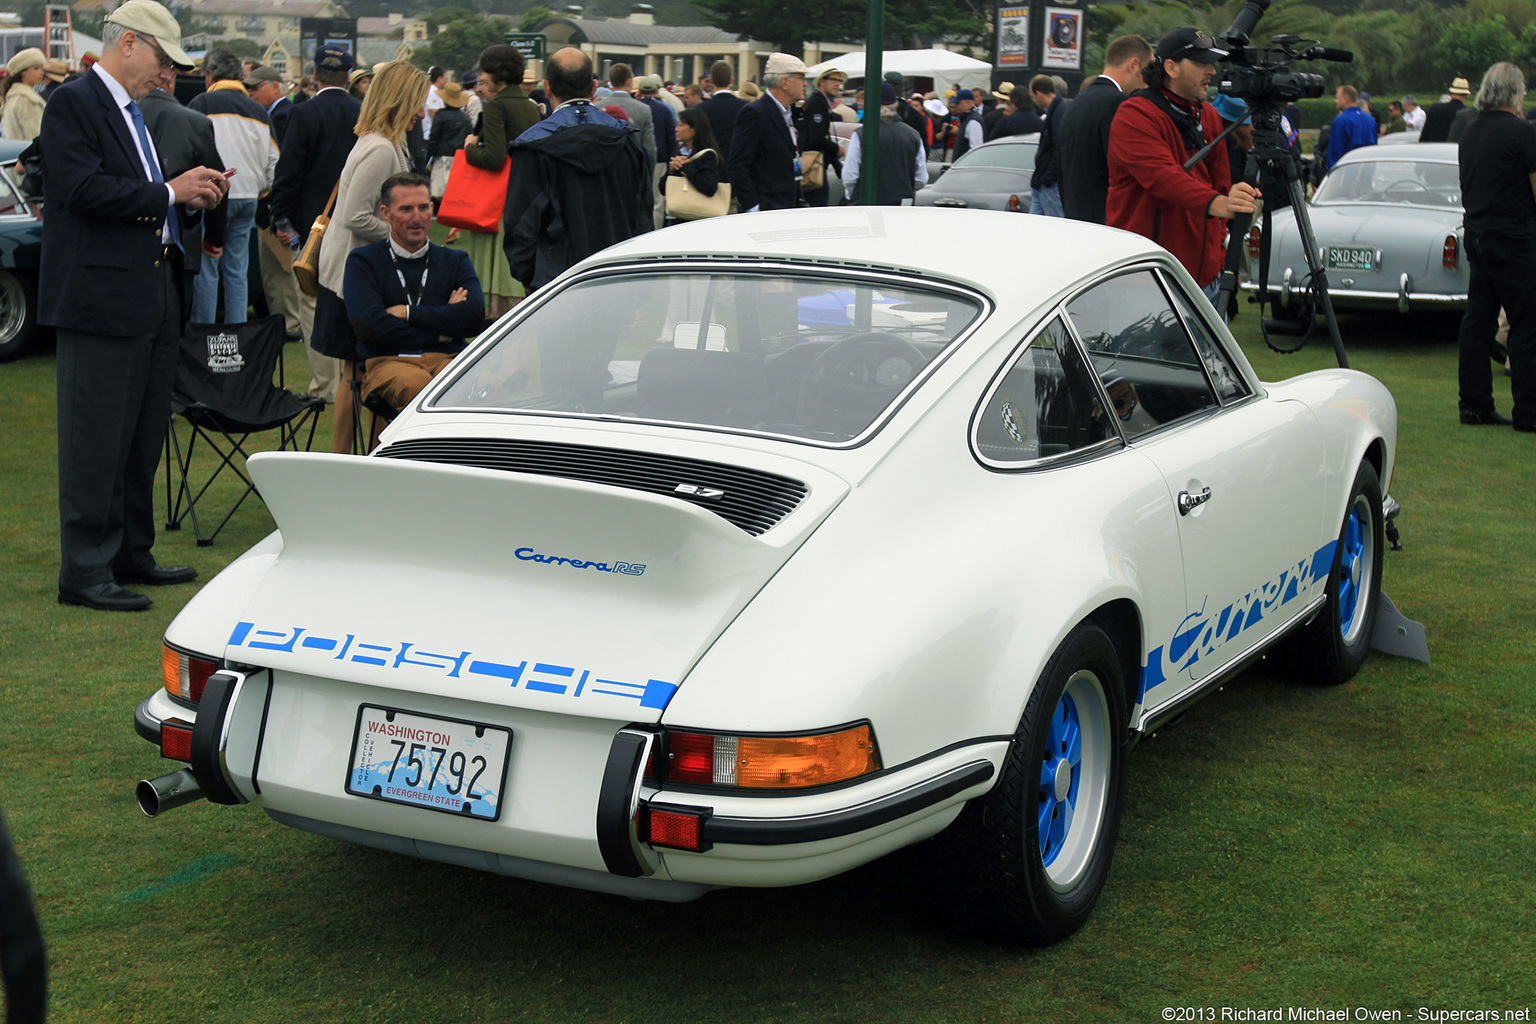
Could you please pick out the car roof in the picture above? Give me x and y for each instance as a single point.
(1432, 152)
(978, 248)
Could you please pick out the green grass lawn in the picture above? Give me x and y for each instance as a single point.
(1366, 846)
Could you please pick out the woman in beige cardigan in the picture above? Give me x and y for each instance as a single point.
(23, 117)
(393, 104)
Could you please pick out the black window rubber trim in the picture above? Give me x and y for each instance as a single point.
(809, 829)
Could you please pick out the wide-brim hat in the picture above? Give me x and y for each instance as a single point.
(25, 60)
(750, 90)
(1460, 87)
(452, 95)
(831, 69)
(58, 70)
(155, 21)
(1189, 44)
(357, 75)
(1004, 92)
(1231, 108)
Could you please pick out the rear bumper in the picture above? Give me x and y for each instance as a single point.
(1402, 300)
(575, 801)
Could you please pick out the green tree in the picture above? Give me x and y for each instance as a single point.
(533, 17)
(458, 43)
(1468, 47)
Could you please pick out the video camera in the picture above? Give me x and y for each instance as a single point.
(1249, 77)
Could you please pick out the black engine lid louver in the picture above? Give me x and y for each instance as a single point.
(748, 498)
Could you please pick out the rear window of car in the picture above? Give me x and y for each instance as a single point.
(1410, 182)
(1019, 156)
(810, 356)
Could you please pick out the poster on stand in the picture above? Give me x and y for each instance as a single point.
(1013, 37)
(1063, 39)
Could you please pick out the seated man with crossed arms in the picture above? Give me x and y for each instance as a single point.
(411, 303)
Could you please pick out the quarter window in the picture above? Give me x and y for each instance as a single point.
(1141, 352)
(1229, 383)
(1045, 405)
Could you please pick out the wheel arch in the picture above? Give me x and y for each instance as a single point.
(1121, 620)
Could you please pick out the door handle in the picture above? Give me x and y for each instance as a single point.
(1189, 502)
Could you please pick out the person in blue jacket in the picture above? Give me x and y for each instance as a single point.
(1352, 128)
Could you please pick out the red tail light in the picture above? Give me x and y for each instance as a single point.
(682, 830)
(176, 740)
(1451, 253)
(770, 762)
(1253, 242)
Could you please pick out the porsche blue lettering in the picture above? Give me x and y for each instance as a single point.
(569, 681)
(628, 568)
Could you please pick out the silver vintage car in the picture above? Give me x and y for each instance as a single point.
(1388, 225)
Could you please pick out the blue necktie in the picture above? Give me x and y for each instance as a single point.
(154, 169)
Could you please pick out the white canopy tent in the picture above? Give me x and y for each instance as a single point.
(945, 67)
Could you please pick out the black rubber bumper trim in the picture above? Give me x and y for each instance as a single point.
(616, 804)
(207, 731)
(146, 724)
(835, 824)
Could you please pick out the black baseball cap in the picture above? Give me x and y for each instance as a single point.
(333, 58)
(1189, 44)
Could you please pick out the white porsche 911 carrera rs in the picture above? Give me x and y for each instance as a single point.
(751, 550)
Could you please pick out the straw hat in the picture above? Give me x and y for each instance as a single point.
(453, 94)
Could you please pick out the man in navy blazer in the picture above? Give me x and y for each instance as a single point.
(1082, 136)
(765, 159)
(412, 304)
(111, 283)
(315, 147)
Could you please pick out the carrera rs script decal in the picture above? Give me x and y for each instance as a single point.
(1202, 634)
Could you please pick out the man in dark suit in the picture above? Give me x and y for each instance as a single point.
(1082, 137)
(184, 139)
(1019, 118)
(111, 284)
(722, 108)
(765, 163)
(1439, 117)
(316, 144)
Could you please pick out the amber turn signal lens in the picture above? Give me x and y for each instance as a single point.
(185, 675)
(771, 762)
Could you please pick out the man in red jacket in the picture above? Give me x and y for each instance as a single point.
(1154, 132)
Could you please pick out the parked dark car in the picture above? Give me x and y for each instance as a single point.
(21, 247)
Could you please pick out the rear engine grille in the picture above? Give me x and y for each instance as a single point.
(750, 499)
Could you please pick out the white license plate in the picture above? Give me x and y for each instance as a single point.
(443, 764)
(1351, 257)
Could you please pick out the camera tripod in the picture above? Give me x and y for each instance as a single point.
(1279, 169)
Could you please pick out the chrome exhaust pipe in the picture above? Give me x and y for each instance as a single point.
(173, 790)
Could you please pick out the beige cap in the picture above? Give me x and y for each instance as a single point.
(648, 83)
(155, 21)
(1461, 88)
(785, 64)
(31, 57)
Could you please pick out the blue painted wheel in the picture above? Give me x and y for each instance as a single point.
(1332, 646)
(1357, 561)
(1074, 780)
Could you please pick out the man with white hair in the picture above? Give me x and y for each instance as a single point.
(1498, 192)
(765, 158)
(111, 283)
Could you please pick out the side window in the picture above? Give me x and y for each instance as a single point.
(1229, 383)
(1044, 406)
(1140, 350)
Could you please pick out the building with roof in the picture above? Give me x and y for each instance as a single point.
(681, 53)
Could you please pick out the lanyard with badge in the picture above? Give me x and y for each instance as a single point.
(425, 270)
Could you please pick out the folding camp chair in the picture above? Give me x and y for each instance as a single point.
(224, 391)
(379, 411)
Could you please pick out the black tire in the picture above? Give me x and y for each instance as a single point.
(995, 876)
(1330, 649)
(18, 315)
